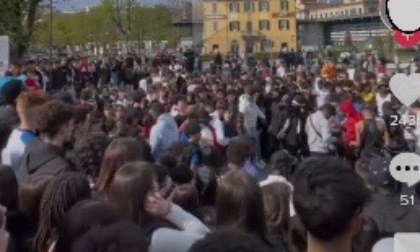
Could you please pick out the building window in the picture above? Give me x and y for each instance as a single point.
(360, 11)
(214, 8)
(347, 12)
(215, 26)
(284, 25)
(266, 45)
(234, 7)
(264, 6)
(249, 26)
(284, 5)
(234, 47)
(284, 46)
(264, 25)
(249, 7)
(234, 26)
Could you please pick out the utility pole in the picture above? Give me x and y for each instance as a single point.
(129, 19)
(51, 30)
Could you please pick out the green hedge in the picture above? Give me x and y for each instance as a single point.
(404, 52)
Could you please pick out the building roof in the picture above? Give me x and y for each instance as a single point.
(336, 18)
(332, 5)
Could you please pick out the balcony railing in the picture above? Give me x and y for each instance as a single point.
(251, 34)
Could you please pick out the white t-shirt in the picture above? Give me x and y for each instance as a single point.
(177, 67)
(280, 72)
(12, 154)
(380, 102)
(322, 93)
(191, 88)
(143, 84)
(156, 80)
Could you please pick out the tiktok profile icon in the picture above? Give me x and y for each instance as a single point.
(402, 17)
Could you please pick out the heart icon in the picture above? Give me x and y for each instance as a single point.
(407, 40)
(406, 88)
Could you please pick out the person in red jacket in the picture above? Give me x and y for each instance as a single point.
(32, 82)
(352, 118)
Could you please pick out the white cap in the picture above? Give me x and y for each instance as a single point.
(384, 245)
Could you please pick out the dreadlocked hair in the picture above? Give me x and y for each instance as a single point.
(60, 195)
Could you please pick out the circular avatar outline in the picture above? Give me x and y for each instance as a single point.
(393, 26)
(383, 14)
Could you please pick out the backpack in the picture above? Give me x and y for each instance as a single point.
(190, 150)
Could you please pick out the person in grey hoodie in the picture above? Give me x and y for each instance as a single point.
(164, 133)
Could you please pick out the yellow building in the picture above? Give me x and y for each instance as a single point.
(249, 26)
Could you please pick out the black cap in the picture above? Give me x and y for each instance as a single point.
(11, 90)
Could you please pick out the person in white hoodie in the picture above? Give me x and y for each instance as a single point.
(249, 108)
(251, 112)
(217, 123)
(280, 69)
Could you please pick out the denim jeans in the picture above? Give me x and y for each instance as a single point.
(114, 80)
(254, 135)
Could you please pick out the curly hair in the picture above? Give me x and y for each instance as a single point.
(52, 116)
(88, 152)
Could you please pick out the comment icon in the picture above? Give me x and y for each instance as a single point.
(405, 168)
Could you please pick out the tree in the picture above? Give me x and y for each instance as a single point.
(378, 44)
(147, 22)
(390, 43)
(120, 13)
(17, 20)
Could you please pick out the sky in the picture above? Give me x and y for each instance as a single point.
(76, 4)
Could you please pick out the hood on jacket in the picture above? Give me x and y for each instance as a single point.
(348, 109)
(166, 119)
(38, 154)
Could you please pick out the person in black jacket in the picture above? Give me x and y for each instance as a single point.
(46, 155)
(59, 76)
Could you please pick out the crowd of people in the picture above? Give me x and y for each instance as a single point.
(137, 155)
